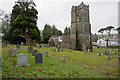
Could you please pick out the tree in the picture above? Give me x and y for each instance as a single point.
(108, 30)
(94, 37)
(47, 33)
(118, 29)
(54, 30)
(66, 31)
(23, 22)
(102, 31)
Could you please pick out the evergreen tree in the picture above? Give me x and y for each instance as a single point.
(66, 32)
(23, 23)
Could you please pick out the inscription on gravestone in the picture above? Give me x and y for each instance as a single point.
(22, 59)
(38, 58)
(34, 52)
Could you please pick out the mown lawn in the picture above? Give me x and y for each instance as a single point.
(77, 65)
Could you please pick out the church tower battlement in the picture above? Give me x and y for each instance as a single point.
(80, 37)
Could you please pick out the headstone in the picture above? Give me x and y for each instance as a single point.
(4, 44)
(46, 53)
(63, 58)
(47, 45)
(22, 59)
(85, 51)
(22, 44)
(34, 52)
(98, 54)
(18, 46)
(12, 51)
(58, 48)
(0, 61)
(88, 51)
(54, 49)
(30, 49)
(38, 46)
(38, 58)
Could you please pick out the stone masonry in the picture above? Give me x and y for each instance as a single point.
(80, 37)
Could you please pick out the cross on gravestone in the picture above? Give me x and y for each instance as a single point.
(34, 52)
(46, 53)
(0, 61)
(12, 51)
(30, 49)
(63, 58)
(22, 59)
(38, 58)
(54, 49)
(18, 46)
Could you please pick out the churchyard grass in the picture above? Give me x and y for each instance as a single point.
(77, 65)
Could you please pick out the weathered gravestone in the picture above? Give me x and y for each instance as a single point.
(47, 45)
(63, 58)
(18, 46)
(30, 49)
(4, 43)
(38, 58)
(88, 51)
(38, 46)
(22, 59)
(58, 48)
(12, 51)
(0, 61)
(34, 52)
(46, 53)
(54, 49)
(22, 44)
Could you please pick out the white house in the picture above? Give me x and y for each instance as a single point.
(112, 41)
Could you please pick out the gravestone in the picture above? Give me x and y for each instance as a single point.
(4, 44)
(85, 51)
(47, 45)
(22, 44)
(88, 51)
(63, 58)
(58, 48)
(46, 53)
(98, 54)
(18, 46)
(30, 49)
(12, 51)
(38, 58)
(54, 49)
(22, 59)
(0, 61)
(34, 52)
(38, 46)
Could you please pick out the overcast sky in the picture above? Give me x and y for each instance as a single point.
(102, 12)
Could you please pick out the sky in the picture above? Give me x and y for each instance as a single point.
(103, 13)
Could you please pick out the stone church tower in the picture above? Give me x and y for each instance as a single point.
(80, 37)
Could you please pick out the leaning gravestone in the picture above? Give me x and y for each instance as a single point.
(38, 46)
(22, 59)
(4, 43)
(34, 52)
(38, 58)
(12, 51)
(54, 49)
(30, 49)
(46, 53)
(18, 46)
(63, 58)
(0, 61)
